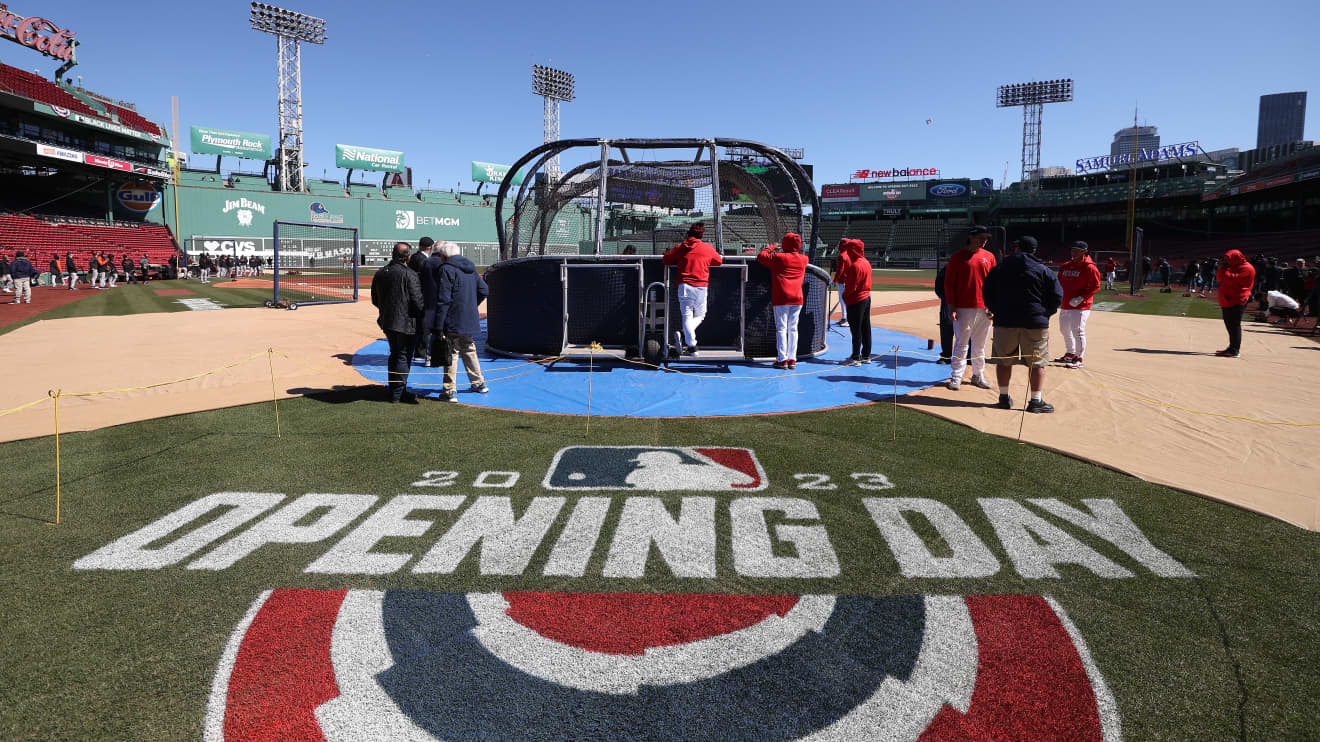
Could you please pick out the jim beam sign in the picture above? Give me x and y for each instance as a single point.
(37, 33)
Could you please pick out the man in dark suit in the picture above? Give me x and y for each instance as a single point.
(421, 264)
(396, 292)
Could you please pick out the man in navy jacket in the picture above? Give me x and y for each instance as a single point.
(1022, 294)
(459, 290)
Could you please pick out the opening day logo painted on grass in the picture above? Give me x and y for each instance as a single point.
(518, 665)
(504, 667)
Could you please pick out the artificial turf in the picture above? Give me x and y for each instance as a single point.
(1229, 654)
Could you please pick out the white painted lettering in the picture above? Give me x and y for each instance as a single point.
(753, 554)
(1015, 526)
(279, 528)
(352, 555)
(507, 543)
(971, 557)
(1110, 523)
(578, 541)
(130, 552)
(687, 545)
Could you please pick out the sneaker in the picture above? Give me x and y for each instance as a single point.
(1075, 363)
(447, 396)
(479, 389)
(849, 361)
(691, 350)
(792, 362)
(781, 365)
(1227, 353)
(1040, 406)
(943, 360)
(1005, 402)
(1066, 358)
(979, 382)
(953, 384)
(866, 359)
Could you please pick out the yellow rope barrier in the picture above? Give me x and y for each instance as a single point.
(22, 407)
(55, 395)
(270, 360)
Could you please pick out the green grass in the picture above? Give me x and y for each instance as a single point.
(142, 299)
(1173, 304)
(130, 655)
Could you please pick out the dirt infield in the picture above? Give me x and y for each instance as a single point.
(1150, 402)
(43, 299)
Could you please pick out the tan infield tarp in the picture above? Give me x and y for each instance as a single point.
(1119, 411)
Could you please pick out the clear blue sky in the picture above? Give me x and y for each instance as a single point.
(851, 82)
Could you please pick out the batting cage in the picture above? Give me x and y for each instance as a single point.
(314, 264)
(581, 254)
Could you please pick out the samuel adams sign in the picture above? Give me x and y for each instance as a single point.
(37, 33)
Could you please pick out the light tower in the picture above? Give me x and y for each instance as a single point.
(289, 29)
(553, 86)
(1033, 96)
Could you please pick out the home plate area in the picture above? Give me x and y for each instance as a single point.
(608, 385)
(415, 665)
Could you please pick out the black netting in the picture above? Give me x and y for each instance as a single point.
(525, 312)
(603, 304)
(314, 264)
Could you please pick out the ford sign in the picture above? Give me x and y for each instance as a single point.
(948, 190)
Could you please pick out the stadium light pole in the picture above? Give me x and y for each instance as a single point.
(289, 29)
(1033, 96)
(553, 86)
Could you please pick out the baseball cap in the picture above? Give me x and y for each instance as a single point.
(1080, 245)
(1026, 242)
(425, 242)
(976, 229)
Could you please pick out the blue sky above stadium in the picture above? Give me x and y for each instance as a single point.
(857, 84)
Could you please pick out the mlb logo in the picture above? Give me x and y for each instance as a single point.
(656, 469)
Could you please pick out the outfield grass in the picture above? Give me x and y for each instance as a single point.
(1229, 654)
(143, 299)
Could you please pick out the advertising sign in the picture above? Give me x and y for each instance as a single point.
(233, 143)
(899, 191)
(628, 191)
(775, 179)
(948, 190)
(845, 192)
(37, 33)
(366, 158)
(59, 153)
(138, 198)
(1151, 155)
(899, 172)
(489, 172)
(107, 162)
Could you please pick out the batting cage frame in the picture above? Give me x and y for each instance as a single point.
(570, 290)
(303, 282)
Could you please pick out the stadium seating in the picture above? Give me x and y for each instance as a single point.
(42, 240)
(28, 85)
(401, 194)
(318, 187)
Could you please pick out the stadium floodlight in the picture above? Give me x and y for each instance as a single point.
(553, 86)
(290, 29)
(1033, 96)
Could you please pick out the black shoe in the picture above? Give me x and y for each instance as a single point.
(691, 350)
(1039, 405)
(945, 361)
(407, 398)
(1005, 402)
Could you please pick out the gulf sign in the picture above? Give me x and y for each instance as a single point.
(138, 198)
(844, 192)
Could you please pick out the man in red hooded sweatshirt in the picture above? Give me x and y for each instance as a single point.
(693, 258)
(854, 279)
(1081, 281)
(1236, 277)
(963, 278)
(787, 267)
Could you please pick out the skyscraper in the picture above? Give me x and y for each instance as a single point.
(1147, 137)
(1282, 118)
